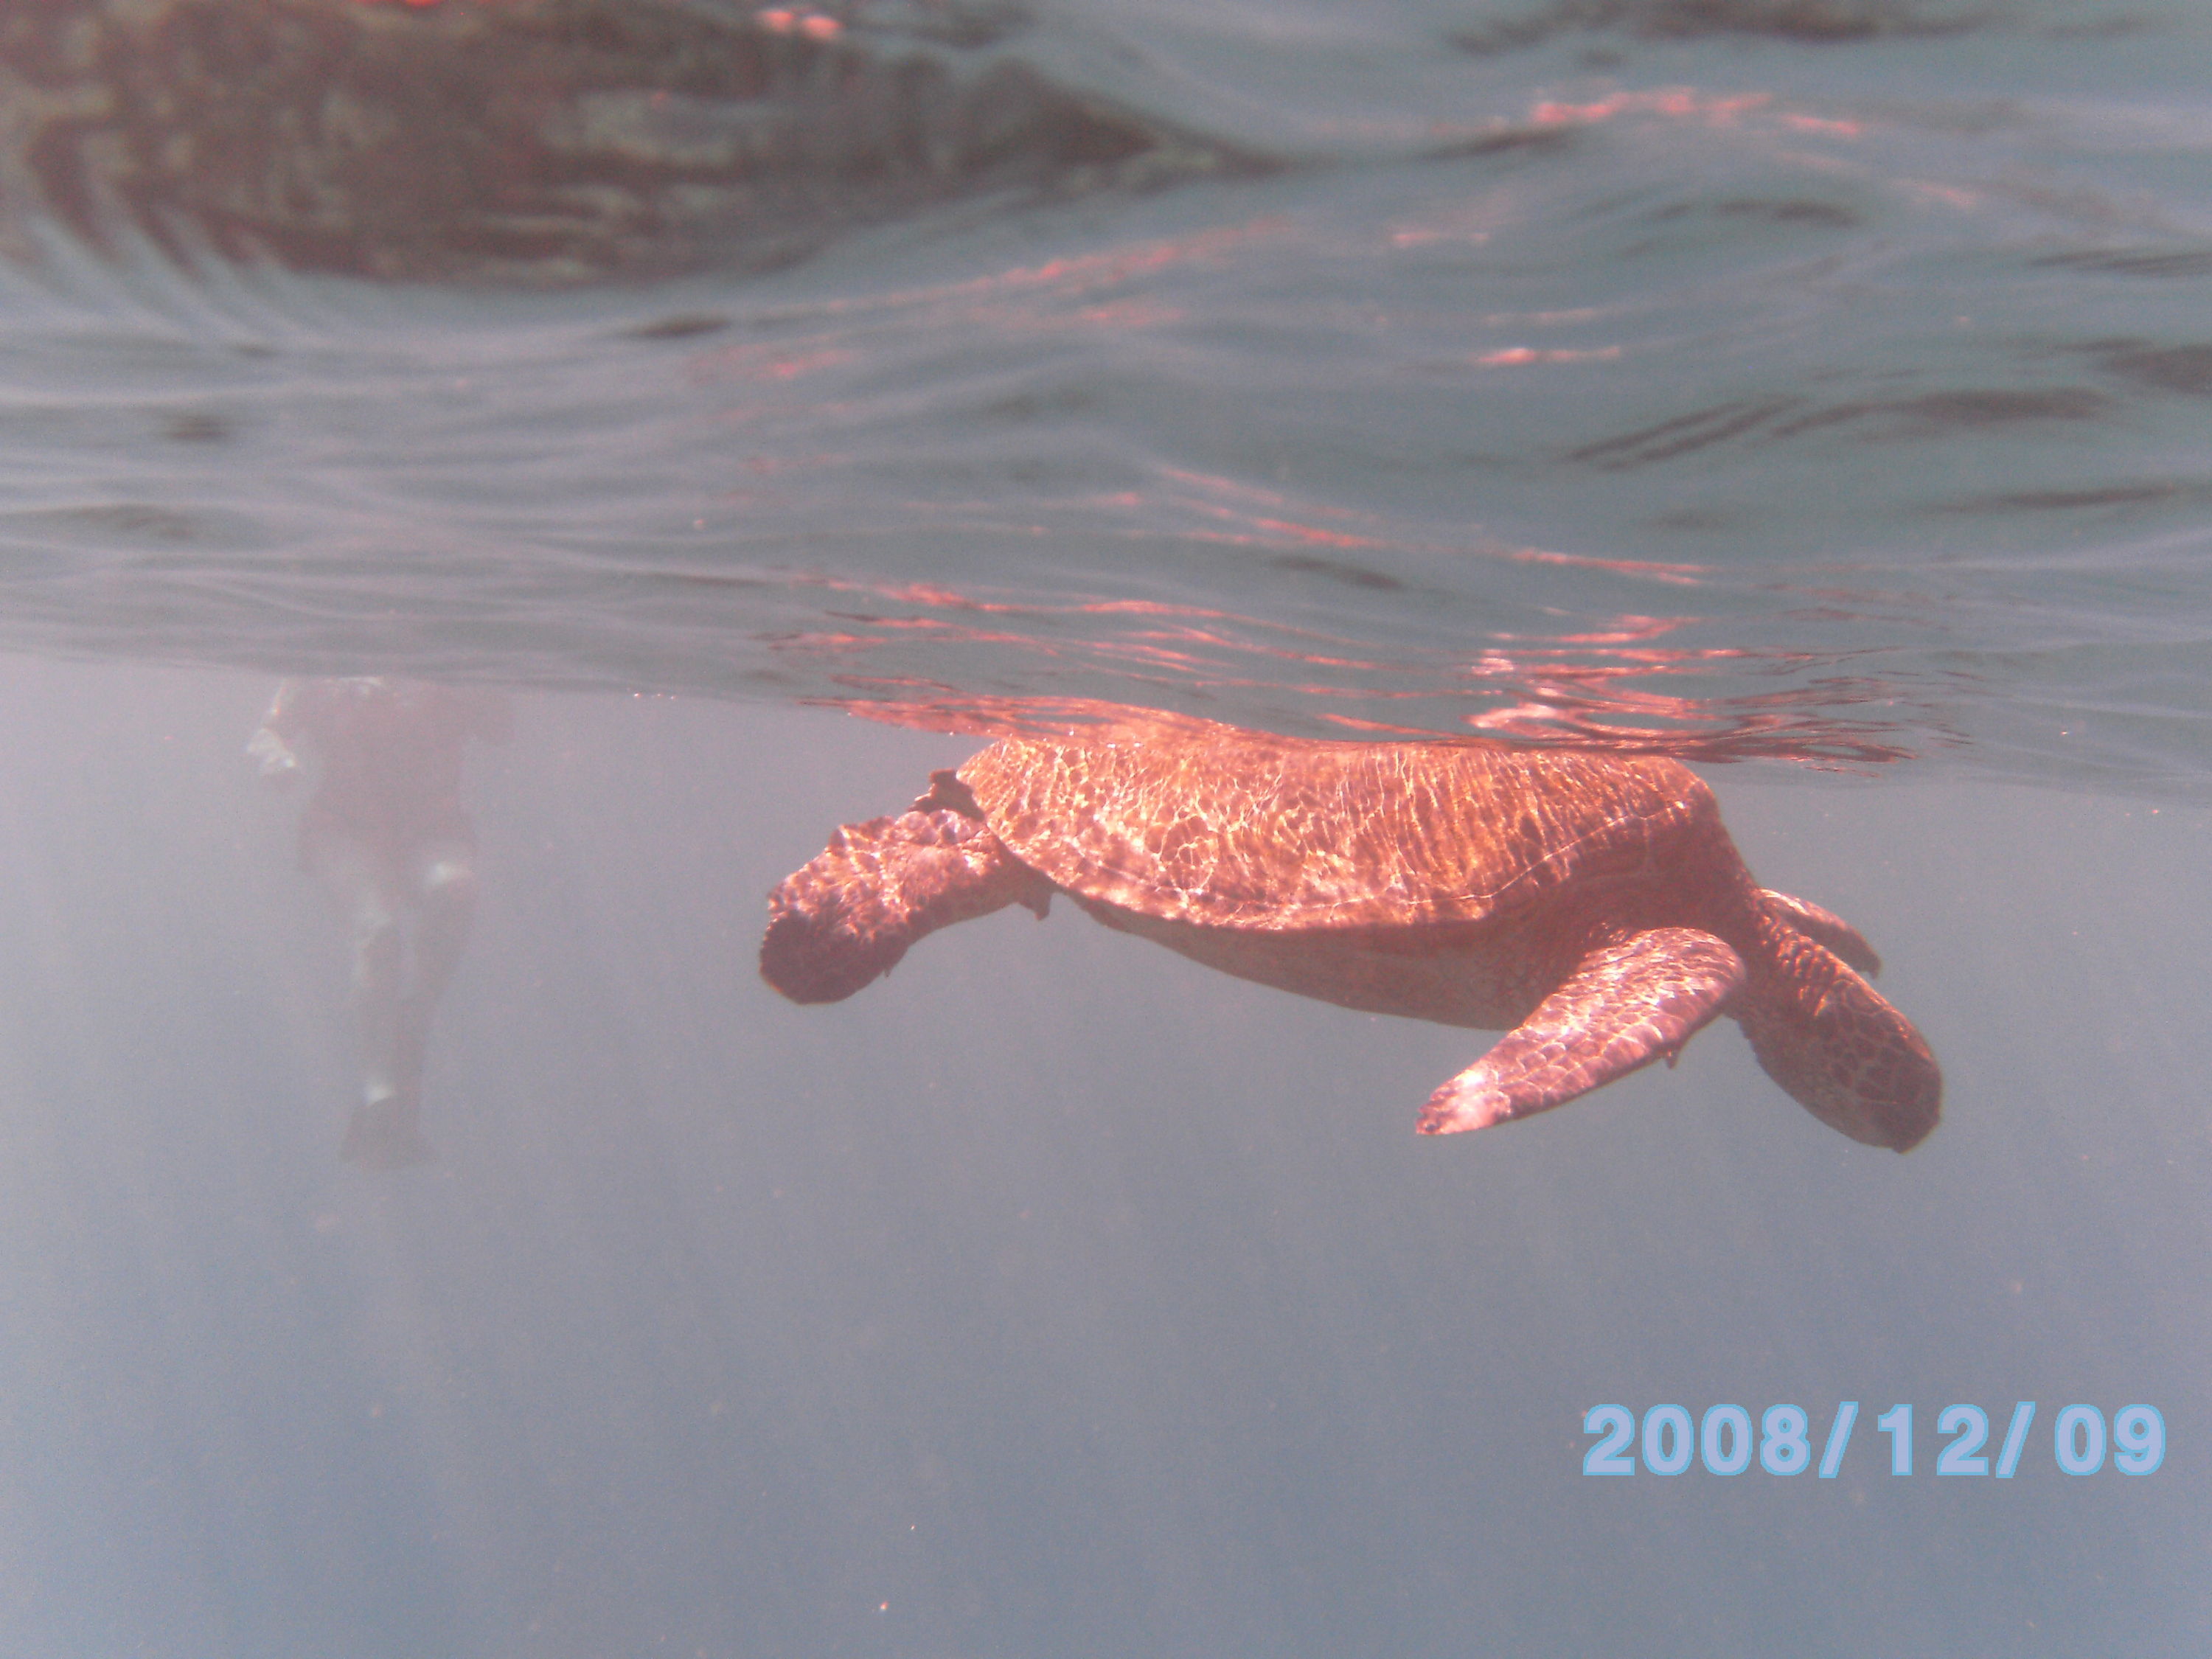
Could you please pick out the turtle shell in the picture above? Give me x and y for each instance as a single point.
(1216, 826)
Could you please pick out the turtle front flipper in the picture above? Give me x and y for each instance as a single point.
(850, 914)
(1625, 1005)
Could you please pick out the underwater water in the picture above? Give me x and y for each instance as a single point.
(1814, 392)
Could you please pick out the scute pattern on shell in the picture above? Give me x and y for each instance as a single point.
(1189, 821)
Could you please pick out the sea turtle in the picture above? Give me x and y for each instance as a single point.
(1591, 906)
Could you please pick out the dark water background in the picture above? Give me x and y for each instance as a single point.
(1781, 383)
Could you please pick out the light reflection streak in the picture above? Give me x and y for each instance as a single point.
(1603, 681)
(1590, 690)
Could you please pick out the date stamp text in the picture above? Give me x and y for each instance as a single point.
(1723, 1440)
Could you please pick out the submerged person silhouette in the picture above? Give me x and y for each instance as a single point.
(384, 834)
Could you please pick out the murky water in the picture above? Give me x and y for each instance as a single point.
(1812, 387)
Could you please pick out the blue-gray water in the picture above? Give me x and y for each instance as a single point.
(1781, 383)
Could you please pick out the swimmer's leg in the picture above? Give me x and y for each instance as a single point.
(443, 881)
(361, 890)
(444, 877)
(386, 1133)
(382, 1133)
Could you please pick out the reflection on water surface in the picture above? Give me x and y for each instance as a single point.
(539, 141)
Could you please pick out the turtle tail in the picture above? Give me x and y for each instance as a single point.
(850, 913)
(1835, 1044)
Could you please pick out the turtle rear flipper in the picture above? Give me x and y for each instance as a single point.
(1625, 1005)
(851, 912)
(1823, 927)
(1843, 1053)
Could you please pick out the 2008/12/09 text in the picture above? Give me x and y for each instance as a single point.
(1722, 1441)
